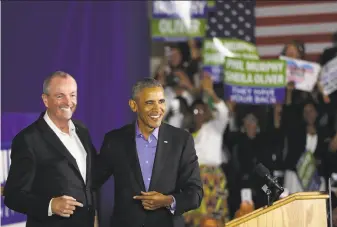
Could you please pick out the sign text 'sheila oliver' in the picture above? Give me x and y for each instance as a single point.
(255, 72)
(176, 18)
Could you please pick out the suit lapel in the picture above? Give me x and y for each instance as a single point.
(49, 135)
(163, 148)
(131, 150)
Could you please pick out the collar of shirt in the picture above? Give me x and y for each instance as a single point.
(56, 129)
(154, 134)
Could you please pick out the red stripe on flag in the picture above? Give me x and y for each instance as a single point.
(291, 20)
(265, 3)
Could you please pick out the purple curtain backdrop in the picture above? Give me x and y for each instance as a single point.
(104, 45)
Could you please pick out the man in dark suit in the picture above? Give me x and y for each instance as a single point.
(50, 174)
(155, 166)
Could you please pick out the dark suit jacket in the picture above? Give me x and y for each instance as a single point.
(328, 54)
(43, 168)
(294, 130)
(175, 172)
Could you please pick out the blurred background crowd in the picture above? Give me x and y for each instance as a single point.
(235, 137)
(105, 45)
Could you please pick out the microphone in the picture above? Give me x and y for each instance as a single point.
(263, 172)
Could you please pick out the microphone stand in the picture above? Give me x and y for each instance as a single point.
(272, 193)
(269, 200)
(272, 189)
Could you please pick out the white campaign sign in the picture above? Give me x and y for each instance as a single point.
(246, 195)
(328, 78)
(303, 73)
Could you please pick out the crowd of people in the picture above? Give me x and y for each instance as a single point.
(164, 175)
(231, 138)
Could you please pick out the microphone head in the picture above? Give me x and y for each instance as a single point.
(261, 170)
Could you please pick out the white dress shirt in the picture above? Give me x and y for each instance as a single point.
(208, 141)
(73, 145)
(311, 143)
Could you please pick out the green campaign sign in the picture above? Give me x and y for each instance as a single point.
(178, 20)
(215, 50)
(177, 28)
(255, 81)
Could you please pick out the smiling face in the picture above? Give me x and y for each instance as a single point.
(292, 51)
(61, 99)
(250, 124)
(150, 108)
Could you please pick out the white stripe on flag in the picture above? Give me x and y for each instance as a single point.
(298, 29)
(268, 50)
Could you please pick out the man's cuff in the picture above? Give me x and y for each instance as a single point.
(172, 207)
(50, 213)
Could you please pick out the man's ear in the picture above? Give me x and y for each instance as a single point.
(133, 105)
(44, 99)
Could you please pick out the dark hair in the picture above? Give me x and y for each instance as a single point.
(184, 108)
(147, 82)
(197, 102)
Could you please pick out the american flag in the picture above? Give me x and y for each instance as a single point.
(232, 19)
(274, 23)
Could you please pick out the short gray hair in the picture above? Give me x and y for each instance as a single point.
(147, 82)
(47, 81)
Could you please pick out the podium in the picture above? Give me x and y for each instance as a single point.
(303, 209)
